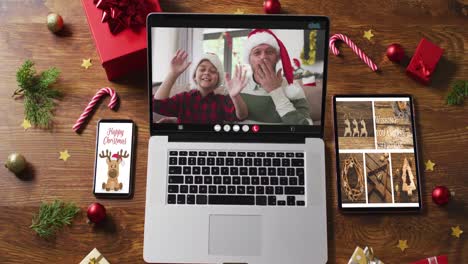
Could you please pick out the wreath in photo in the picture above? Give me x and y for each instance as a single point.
(353, 193)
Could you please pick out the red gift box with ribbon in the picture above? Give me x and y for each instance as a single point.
(433, 260)
(119, 32)
(424, 61)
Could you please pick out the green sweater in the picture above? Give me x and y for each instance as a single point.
(262, 108)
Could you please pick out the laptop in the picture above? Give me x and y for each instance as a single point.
(236, 161)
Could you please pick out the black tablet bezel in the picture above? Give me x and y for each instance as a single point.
(416, 157)
(274, 132)
(132, 162)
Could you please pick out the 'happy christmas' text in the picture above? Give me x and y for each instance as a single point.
(113, 137)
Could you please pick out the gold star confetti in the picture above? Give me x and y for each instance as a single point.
(26, 124)
(64, 155)
(239, 11)
(86, 63)
(456, 231)
(430, 165)
(368, 34)
(402, 244)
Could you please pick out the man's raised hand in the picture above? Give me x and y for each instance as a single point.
(265, 75)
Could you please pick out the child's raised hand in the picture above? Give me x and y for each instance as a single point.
(179, 62)
(238, 83)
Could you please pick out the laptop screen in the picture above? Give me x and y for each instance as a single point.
(238, 75)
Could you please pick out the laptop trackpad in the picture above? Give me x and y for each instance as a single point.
(235, 235)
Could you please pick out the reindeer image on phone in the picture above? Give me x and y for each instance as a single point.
(113, 169)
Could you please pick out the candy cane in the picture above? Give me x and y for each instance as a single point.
(353, 46)
(89, 108)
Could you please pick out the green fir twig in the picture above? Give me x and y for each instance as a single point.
(53, 216)
(458, 93)
(38, 96)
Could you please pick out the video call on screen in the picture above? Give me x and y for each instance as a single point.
(189, 68)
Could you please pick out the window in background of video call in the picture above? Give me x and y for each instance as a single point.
(299, 103)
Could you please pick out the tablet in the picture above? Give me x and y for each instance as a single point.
(376, 153)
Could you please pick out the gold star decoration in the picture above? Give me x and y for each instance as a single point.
(239, 11)
(26, 124)
(430, 165)
(456, 231)
(64, 155)
(368, 34)
(86, 63)
(402, 244)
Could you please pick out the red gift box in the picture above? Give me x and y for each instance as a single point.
(424, 61)
(124, 50)
(433, 260)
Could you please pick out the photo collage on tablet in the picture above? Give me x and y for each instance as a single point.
(377, 166)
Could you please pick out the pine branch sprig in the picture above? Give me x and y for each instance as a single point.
(25, 75)
(48, 77)
(38, 96)
(52, 217)
(458, 93)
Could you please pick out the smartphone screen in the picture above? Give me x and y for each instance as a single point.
(113, 174)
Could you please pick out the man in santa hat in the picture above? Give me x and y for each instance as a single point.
(270, 97)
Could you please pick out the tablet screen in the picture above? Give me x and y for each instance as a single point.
(376, 154)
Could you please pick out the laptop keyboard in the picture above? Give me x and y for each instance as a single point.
(236, 178)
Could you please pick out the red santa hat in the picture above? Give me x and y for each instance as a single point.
(266, 36)
(118, 157)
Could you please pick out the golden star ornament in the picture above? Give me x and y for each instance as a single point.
(430, 165)
(456, 231)
(86, 63)
(64, 155)
(402, 244)
(26, 124)
(368, 34)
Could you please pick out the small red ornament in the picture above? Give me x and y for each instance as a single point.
(440, 195)
(395, 52)
(54, 22)
(96, 213)
(272, 6)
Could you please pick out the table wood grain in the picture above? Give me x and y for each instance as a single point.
(442, 129)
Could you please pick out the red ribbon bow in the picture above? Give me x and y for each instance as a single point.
(421, 67)
(122, 14)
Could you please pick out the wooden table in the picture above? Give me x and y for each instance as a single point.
(442, 129)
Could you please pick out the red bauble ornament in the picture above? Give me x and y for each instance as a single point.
(440, 195)
(54, 22)
(395, 52)
(272, 6)
(96, 213)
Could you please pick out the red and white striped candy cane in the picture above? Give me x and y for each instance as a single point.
(89, 108)
(353, 46)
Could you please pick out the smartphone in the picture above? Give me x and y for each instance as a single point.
(114, 160)
(376, 153)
